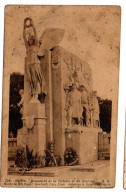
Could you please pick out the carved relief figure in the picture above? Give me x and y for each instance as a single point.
(76, 75)
(85, 105)
(73, 106)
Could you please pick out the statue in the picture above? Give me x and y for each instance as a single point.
(85, 105)
(73, 106)
(33, 68)
(35, 50)
(21, 103)
(66, 90)
(95, 109)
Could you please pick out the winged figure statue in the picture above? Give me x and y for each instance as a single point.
(36, 48)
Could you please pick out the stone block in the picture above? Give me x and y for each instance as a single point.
(86, 149)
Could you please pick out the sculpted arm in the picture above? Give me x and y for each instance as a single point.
(21, 102)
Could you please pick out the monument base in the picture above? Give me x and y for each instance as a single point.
(33, 133)
(84, 140)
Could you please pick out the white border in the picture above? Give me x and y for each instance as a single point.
(122, 94)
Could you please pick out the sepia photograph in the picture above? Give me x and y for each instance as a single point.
(60, 96)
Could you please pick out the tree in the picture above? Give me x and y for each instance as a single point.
(16, 83)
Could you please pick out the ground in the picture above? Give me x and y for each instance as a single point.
(97, 169)
(94, 174)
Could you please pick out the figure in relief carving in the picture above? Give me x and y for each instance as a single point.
(75, 75)
(35, 50)
(73, 106)
(85, 105)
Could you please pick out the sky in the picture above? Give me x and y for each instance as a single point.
(92, 33)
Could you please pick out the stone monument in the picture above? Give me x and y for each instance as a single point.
(58, 101)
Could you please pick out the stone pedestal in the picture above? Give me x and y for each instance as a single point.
(33, 133)
(84, 141)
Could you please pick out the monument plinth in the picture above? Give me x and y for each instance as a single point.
(78, 139)
(33, 133)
